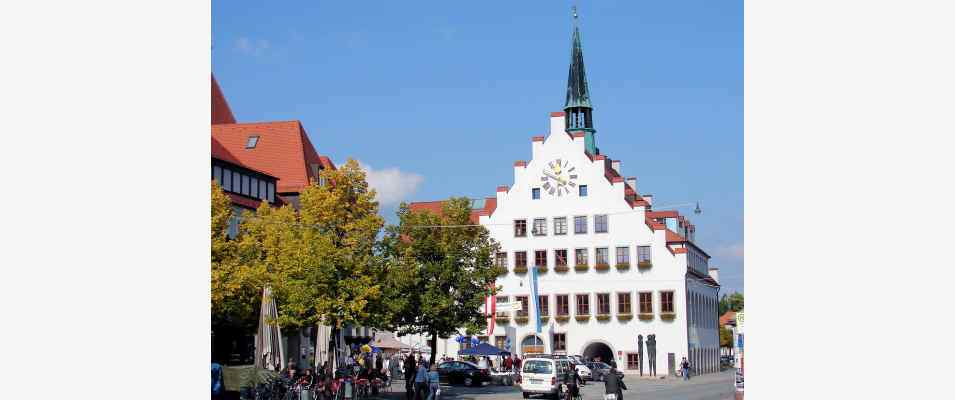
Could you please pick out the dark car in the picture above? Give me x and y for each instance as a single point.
(600, 369)
(463, 372)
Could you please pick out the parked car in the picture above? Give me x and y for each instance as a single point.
(727, 361)
(543, 375)
(600, 369)
(584, 371)
(463, 372)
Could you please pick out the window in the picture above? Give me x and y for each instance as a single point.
(580, 224)
(602, 255)
(254, 191)
(499, 341)
(536, 193)
(227, 180)
(236, 182)
(600, 223)
(561, 257)
(603, 303)
(543, 304)
(500, 300)
(520, 227)
(563, 304)
(253, 140)
(643, 253)
(540, 226)
(217, 174)
(271, 192)
(501, 260)
(581, 256)
(540, 258)
(633, 361)
(583, 304)
(262, 190)
(523, 311)
(246, 188)
(623, 303)
(666, 302)
(560, 226)
(520, 259)
(623, 255)
(646, 303)
(321, 179)
(560, 342)
(582, 190)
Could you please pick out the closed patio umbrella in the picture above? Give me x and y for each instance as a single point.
(269, 353)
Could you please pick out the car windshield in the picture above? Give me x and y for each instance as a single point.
(538, 367)
(468, 365)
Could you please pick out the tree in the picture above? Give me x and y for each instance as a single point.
(443, 274)
(731, 302)
(726, 337)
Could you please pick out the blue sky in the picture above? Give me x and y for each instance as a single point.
(439, 98)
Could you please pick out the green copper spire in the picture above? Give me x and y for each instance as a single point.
(577, 108)
(577, 93)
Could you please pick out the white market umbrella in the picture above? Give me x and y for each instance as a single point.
(269, 353)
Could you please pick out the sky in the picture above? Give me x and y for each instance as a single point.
(439, 98)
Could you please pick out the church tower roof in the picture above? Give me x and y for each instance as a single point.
(578, 94)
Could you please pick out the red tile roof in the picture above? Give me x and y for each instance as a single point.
(221, 113)
(283, 151)
(728, 318)
(244, 201)
(490, 204)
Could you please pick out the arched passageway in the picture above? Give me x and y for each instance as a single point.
(598, 350)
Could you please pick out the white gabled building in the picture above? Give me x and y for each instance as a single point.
(609, 267)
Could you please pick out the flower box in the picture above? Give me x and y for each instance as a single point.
(667, 316)
(623, 266)
(501, 271)
(502, 320)
(520, 270)
(644, 264)
(580, 267)
(561, 268)
(645, 316)
(624, 317)
(541, 269)
(544, 319)
(582, 318)
(520, 320)
(562, 318)
(602, 267)
(603, 317)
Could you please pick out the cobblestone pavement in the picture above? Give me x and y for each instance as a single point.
(718, 386)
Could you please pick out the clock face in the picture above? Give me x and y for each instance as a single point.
(559, 178)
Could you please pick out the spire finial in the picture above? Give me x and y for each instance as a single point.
(574, 9)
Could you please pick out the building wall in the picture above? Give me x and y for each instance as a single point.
(626, 227)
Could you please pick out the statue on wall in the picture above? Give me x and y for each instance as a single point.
(652, 352)
(640, 352)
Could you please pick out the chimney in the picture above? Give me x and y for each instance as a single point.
(616, 166)
(648, 198)
(632, 181)
(715, 274)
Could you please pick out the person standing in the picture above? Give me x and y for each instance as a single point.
(517, 364)
(434, 383)
(483, 363)
(508, 364)
(685, 369)
(613, 384)
(410, 369)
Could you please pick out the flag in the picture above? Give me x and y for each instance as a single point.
(490, 308)
(535, 301)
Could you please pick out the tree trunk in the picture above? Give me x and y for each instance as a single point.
(434, 347)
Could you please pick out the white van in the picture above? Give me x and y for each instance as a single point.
(543, 375)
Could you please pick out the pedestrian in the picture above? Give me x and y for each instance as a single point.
(410, 367)
(483, 363)
(613, 385)
(217, 383)
(613, 362)
(421, 381)
(517, 364)
(685, 369)
(571, 379)
(508, 363)
(434, 383)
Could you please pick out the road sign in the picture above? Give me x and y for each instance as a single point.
(739, 322)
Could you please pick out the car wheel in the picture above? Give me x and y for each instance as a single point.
(468, 381)
(526, 395)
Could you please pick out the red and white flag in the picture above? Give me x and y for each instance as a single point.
(490, 308)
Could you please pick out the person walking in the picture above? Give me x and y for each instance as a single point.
(434, 383)
(410, 369)
(613, 385)
(421, 381)
(685, 369)
(571, 379)
(517, 364)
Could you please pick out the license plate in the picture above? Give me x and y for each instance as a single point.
(537, 381)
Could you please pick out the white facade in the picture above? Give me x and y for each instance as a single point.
(692, 330)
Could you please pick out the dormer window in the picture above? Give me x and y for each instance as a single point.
(253, 140)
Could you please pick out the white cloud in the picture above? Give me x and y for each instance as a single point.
(392, 184)
(251, 47)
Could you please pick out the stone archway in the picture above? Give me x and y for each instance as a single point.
(595, 349)
(532, 344)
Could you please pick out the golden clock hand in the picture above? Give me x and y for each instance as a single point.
(555, 178)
